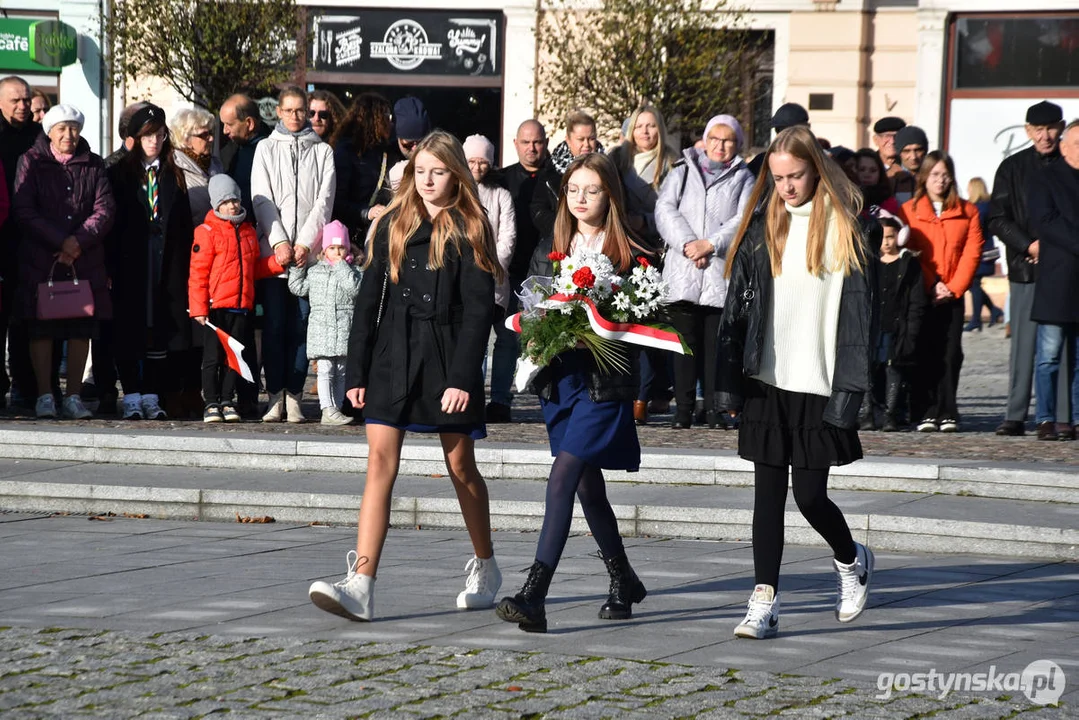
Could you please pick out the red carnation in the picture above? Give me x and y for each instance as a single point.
(584, 278)
(644, 261)
(556, 256)
(616, 288)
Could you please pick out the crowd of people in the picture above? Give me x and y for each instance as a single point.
(820, 290)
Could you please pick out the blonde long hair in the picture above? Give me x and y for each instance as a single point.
(619, 243)
(835, 198)
(977, 191)
(666, 156)
(463, 220)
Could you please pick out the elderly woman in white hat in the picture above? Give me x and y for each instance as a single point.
(64, 207)
(497, 201)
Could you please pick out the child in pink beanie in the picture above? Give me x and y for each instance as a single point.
(331, 286)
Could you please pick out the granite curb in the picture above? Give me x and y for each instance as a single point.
(299, 453)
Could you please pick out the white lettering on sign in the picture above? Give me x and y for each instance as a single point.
(13, 42)
(466, 40)
(405, 46)
(348, 47)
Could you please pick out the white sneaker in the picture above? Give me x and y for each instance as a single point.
(949, 426)
(150, 408)
(131, 407)
(762, 618)
(73, 408)
(333, 416)
(852, 584)
(275, 411)
(45, 406)
(352, 598)
(482, 585)
(293, 410)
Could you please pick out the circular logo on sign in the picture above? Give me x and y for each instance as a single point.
(1043, 682)
(408, 40)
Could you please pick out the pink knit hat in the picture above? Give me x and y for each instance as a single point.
(477, 146)
(335, 235)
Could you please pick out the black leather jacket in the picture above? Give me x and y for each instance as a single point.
(1009, 214)
(741, 332)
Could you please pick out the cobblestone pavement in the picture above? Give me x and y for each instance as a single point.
(63, 673)
(158, 619)
(982, 393)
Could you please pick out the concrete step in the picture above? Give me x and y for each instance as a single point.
(896, 521)
(294, 452)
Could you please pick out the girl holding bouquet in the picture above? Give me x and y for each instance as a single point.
(795, 349)
(415, 352)
(588, 410)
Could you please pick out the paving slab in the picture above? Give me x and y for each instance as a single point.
(177, 619)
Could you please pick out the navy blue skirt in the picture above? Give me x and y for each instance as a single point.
(478, 431)
(602, 434)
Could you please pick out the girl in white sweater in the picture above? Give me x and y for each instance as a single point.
(795, 359)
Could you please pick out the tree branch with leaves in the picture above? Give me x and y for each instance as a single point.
(206, 50)
(687, 57)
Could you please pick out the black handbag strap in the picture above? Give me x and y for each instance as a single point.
(382, 298)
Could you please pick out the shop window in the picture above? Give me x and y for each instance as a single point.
(1017, 52)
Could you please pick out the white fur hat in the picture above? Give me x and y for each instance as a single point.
(477, 146)
(60, 114)
(904, 229)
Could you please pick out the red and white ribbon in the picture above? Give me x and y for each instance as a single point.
(631, 333)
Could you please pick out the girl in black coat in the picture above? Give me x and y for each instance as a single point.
(149, 256)
(419, 334)
(795, 342)
(589, 414)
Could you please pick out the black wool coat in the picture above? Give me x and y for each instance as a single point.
(911, 304)
(136, 301)
(1010, 218)
(742, 328)
(1053, 199)
(414, 338)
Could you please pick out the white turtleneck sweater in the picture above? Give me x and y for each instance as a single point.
(803, 317)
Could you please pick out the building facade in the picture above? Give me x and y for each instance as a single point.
(54, 45)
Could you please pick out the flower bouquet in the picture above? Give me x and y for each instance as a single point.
(587, 304)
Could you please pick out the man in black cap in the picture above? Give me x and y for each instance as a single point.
(411, 123)
(884, 131)
(1009, 220)
(1053, 193)
(788, 115)
(912, 145)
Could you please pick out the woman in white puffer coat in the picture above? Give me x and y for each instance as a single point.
(700, 205)
(498, 202)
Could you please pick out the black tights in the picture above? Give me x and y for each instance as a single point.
(770, 499)
(569, 475)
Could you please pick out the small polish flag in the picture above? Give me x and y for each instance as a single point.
(233, 353)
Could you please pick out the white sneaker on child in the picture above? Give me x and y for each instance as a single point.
(482, 585)
(352, 598)
(852, 584)
(762, 617)
(131, 406)
(333, 416)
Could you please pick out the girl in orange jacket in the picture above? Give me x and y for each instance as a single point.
(946, 233)
(225, 264)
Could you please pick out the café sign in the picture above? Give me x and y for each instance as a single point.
(395, 41)
(36, 45)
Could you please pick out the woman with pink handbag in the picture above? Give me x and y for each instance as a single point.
(64, 207)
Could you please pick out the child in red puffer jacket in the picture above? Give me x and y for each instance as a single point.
(225, 264)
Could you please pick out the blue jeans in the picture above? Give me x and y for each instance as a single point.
(1058, 345)
(284, 337)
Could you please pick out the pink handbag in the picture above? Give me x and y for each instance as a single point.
(64, 299)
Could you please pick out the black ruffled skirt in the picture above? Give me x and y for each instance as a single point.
(779, 427)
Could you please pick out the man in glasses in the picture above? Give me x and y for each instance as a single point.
(410, 123)
(293, 181)
(18, 131)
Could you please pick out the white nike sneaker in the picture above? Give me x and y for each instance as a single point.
(352, 598)
(482, 586)
(762, 618)
(852, 584)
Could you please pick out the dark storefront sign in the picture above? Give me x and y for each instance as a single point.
(401, 42)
